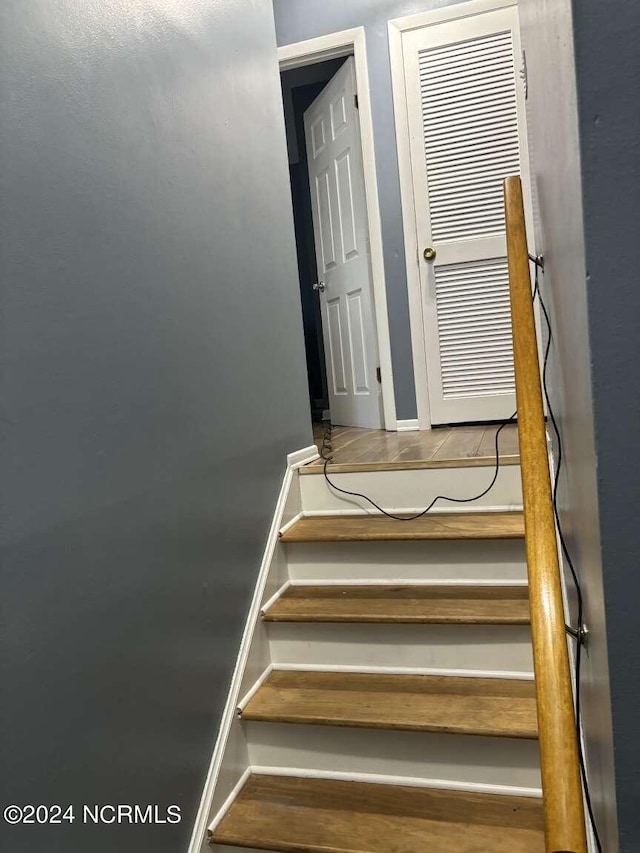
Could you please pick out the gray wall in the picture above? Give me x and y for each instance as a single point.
(607, 37)
(297, 20)
(152, 382)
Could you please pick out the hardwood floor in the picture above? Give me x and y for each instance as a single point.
(357, 449)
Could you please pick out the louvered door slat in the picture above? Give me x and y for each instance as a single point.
(489, 60)
(467, 111)
(466, 128)
(463, 314)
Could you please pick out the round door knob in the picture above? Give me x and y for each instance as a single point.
(429, 253)
(319, 285)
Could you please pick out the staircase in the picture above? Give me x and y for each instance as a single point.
(398, 711)
(390, 704)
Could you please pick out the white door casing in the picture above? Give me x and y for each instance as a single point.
(342, 252)
(466, 128)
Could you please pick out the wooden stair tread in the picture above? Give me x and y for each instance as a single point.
(317, 467)
(498, 707)
(299, 815)
(350, 528)
(418, 603)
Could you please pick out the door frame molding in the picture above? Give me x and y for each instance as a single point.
(396, 28)
(332, 46)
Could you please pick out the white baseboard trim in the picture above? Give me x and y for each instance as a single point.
(242, 704)
(303, 456)
(406, 781)
(198, 836)
(291, 522)
(407, 425)
(276, 595)
(411, 510)
(393, 670)
(404, 582)
(230, 799)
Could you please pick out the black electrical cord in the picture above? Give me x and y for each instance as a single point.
(326, 452)
(568, 558)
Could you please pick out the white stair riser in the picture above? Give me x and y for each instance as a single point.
(498, 648)
(483, 559)
(413, 488)
(453, 758)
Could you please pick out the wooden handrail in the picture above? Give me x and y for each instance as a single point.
(561, 785)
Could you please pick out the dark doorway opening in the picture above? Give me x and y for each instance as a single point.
(300, 87)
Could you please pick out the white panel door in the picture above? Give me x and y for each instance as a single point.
(342, 252)
(467, 133)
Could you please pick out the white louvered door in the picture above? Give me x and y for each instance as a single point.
(467, 133)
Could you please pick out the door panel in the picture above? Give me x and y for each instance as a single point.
(336, 351)
(340, 227)
(467, 133)
(325, 223)
(357, 343)
(344, 188)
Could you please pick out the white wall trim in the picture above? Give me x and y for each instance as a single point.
(331, 46)
(320, 49)
(242, 781)
(280, 592)
(416, 319)
(296, 518)
(396, 28)
(449, 13)
(411, 510)
(394, 670)
(398, 581)
(408, 425)
(242, 704)
(303, 456)
(406, 781)
(198, 835)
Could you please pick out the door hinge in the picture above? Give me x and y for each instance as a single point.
(355, 101)
(379, 375)
(524, 75)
